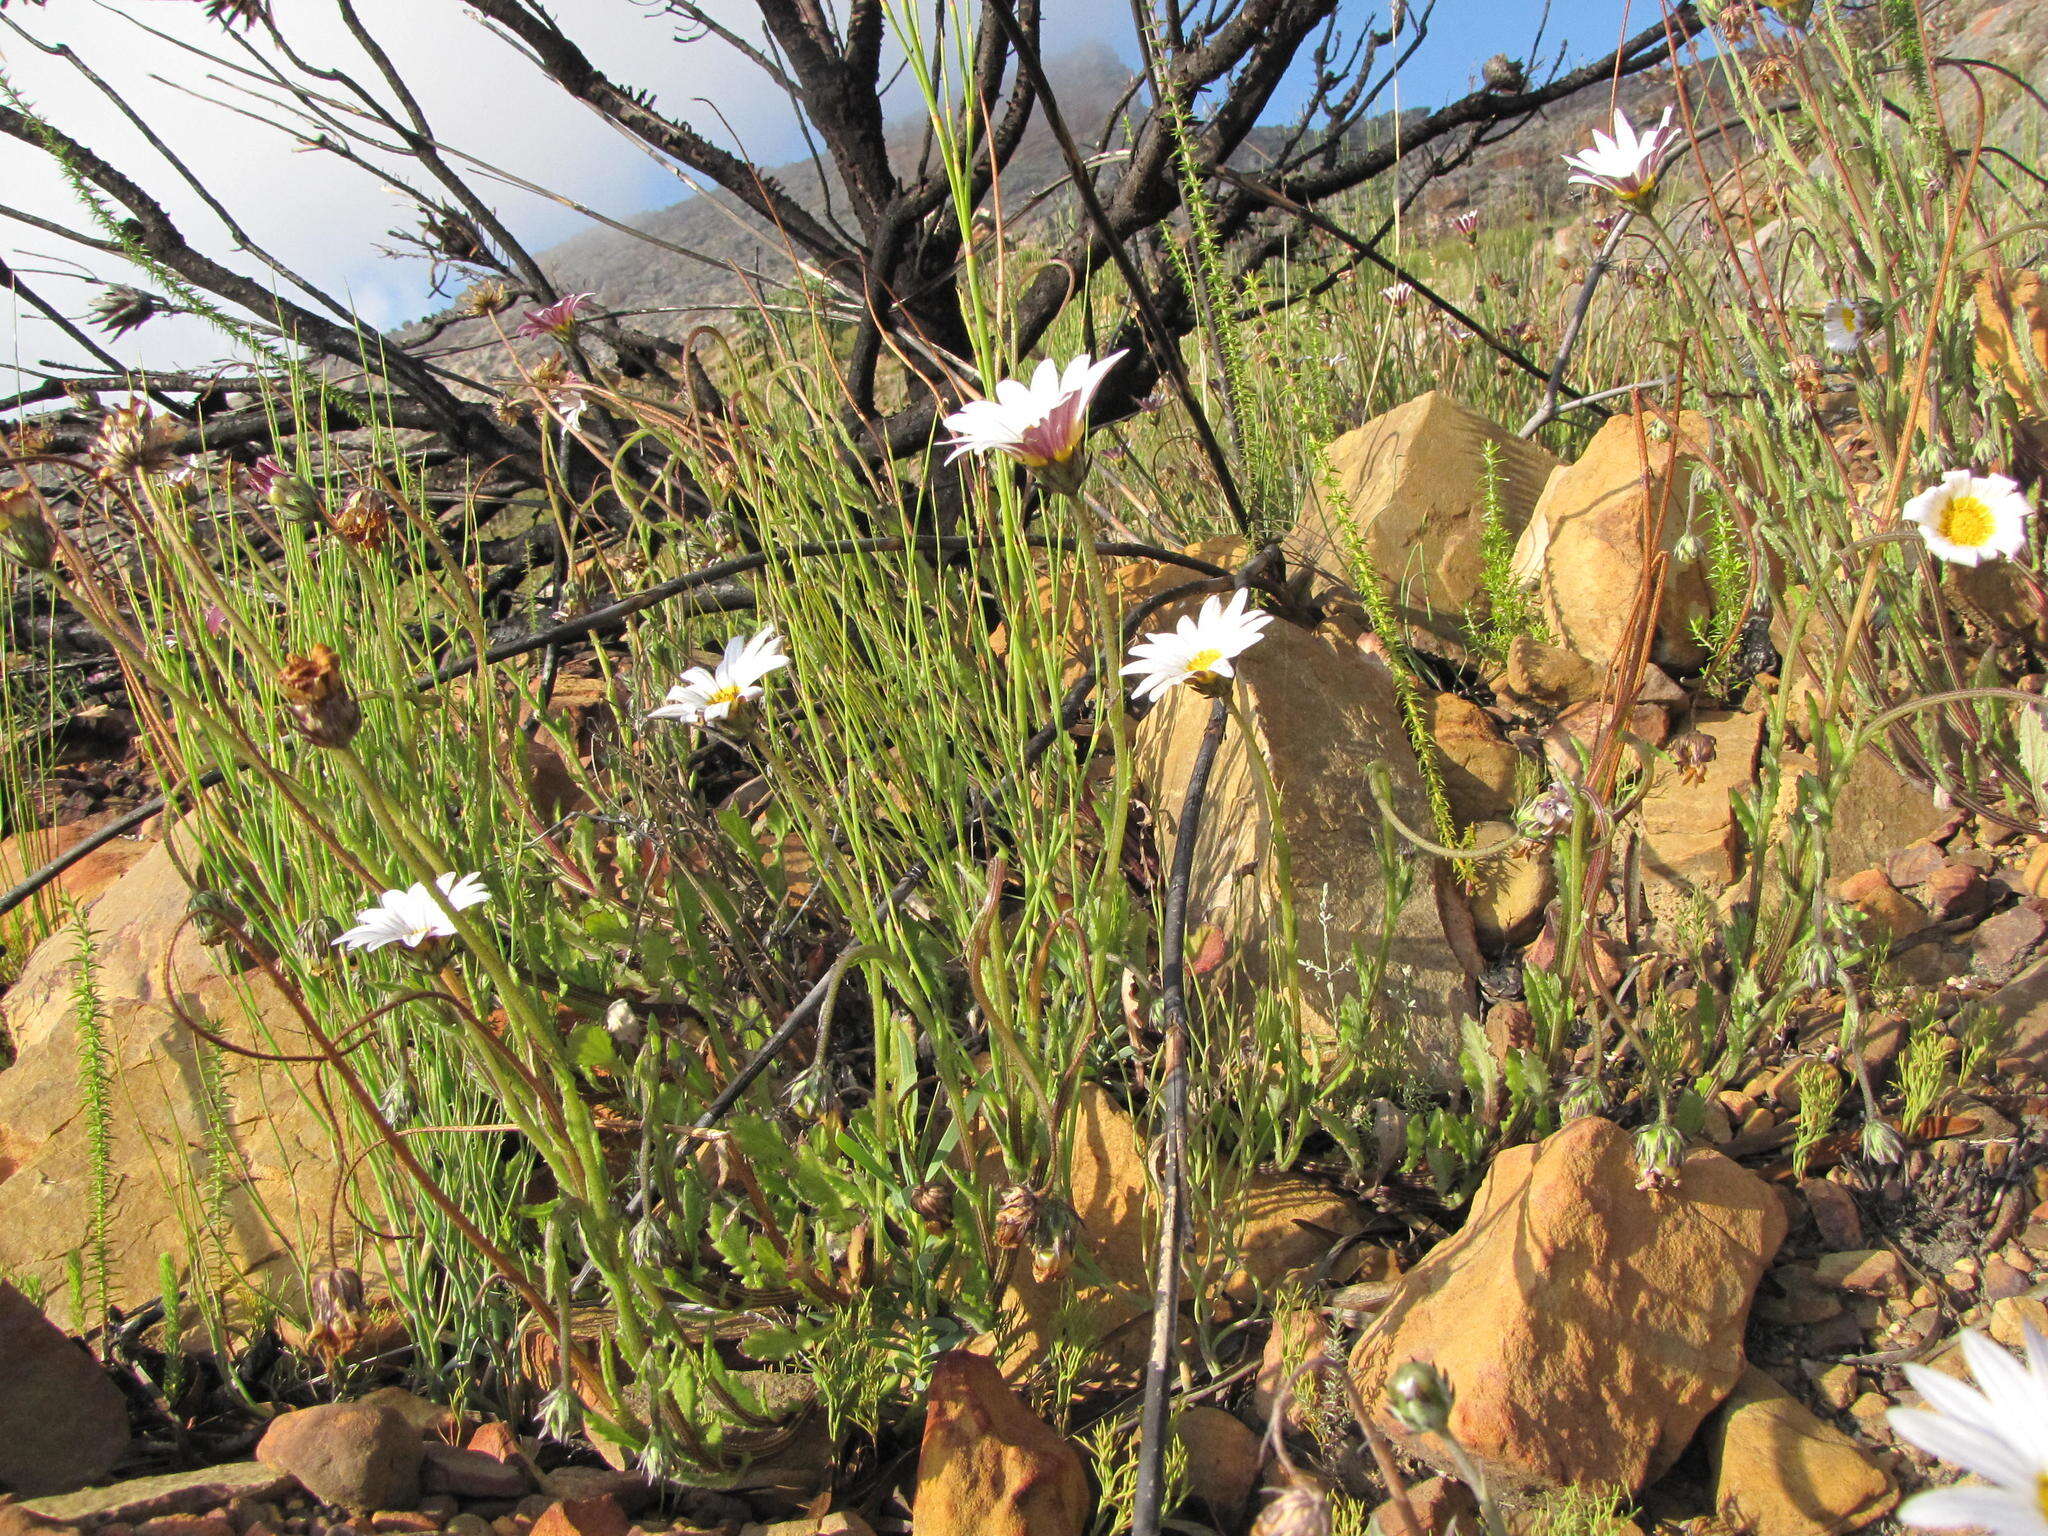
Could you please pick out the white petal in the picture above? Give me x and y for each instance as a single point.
(1989, 1509)
(1962, 1444)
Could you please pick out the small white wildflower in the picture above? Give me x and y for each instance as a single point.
(1041, 424)
(1999, 1431)
(412, 916)
(1628, 164)
(1844, 326)
(707, 694)
(1398, 294)
(1968, 519)
(1199, 650)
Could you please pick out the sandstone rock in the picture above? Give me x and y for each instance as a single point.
(1999, 946)
(1411, 490)
(1584, 539)
(63, 1422)
(1586, 1326)
(631, 1491)
(359, 1457)
(1863, 1272)
(1692, 843)
(19, 1520)
(1888, 912)
(1510, 890)
(429, 1419)
(1779, 1471)
(278, 1193)
(2012, 320)
(1877, 810)
(24, 852)
(987, 1466)
(470, 1474)
(1441, 1506)
(1324, 715)
(1298, 1335)
(1834, 1211)
(1223, 1461)
(842, 1523)
(600, 1516)
(498, 1440)
(1280, 1227)
(171, 1493)
(2012, 1316)
(1480, 768)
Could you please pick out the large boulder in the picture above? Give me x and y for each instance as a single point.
(1587, 1326)
(1411, 492)
(1323, 717)
(63, 1422)
(1585, 541)
(175, 1105)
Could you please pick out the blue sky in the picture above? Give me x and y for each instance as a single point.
(328, 220)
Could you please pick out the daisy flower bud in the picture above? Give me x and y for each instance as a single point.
(1420, 1398)
(1016, 1216)
(287, 494)
(1299, 1509)
(1660, 1155)
(933, 1202)
(25, 536)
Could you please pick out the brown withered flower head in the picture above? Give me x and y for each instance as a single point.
(25, 535)
(1299, 1509)
(364, 521)
(1808, 379)
(30, 438)
(134, 440)
(317, 698)
(1016, 1216)
(1691, 752)
(339, 1312)
(933, 1202)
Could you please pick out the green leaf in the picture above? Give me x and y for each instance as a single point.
(591, 1047)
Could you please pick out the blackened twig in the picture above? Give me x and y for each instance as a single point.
(1173, 1135)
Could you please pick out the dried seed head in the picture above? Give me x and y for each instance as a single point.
(1692, 751)
(1420, 1398)
(25, 535)
(1504, 75)
(485, 298)
(238, 13)
(29, 439)
(317, 697)
(1016, 1217)
(933, 1201)
(1808, 379)
(122, 308)
(1299, 1509)
(133, 440)
(364, 521)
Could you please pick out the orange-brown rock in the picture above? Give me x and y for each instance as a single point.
(170, 1112)
(1410, 492)
(1584, 542)
(1223, 1460)
(1323, 717)
(63, 1422)
(1779, 1471)
(357, 1455)
(988, 1466)
(1586, 1326)
(1692, 843)
(1480, 766)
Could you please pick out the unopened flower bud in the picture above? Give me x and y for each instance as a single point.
(25, 536)
(335, 1296)
(1299, 1509)
(1052, 1245)
(288, 494)
(122, 308)
(933, 1201)
(1582, 1096)
(213, 916)
(1882, 1144)
(1660, 1156)
(624, 1025)
(318, 699)
(1420, 1398)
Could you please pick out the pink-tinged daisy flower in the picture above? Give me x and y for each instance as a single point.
(1041, 425)
(413, 916)
(708, 694)
(1998, 1430)
(1398, 294)
(1968, 519)
(1467, 225)
(1627, 164)
(557, 319)
(1199, 650)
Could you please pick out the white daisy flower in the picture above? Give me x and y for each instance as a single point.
(1627, 164)
(1398, 294)
(413, 916)
(1999, 1431)
(1844, 327)
(1199, 650)
(1968, 519)
(707, 694)
(1041, 424)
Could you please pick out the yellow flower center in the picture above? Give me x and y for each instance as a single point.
(2041, 1493)
(1966, 521)
(729, 694)
(1202, 661)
